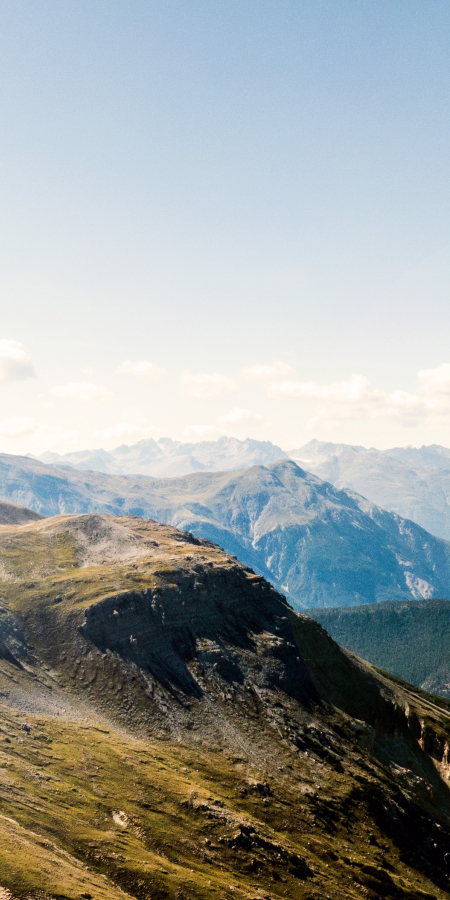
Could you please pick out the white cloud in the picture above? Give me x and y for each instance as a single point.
(15, 363)
(84, 391)
(202, 432)
(141, 368)
(435, 381)
(20, 426)
(263, 372)
(52, 437)
(238, 416)
(27, 435)
(357, 399)
(204, 386)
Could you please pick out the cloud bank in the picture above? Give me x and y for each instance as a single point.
(202, 432)
(41, 437)
(20, 426)
(357, 399)
(238, 416)
(15, 363)
(264, 372)
(84, 391)
(126, 431)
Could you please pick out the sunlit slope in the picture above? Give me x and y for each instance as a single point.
(169, 727)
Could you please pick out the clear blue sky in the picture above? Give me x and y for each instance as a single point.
(210, 186)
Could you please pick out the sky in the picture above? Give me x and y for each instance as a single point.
(224, 218)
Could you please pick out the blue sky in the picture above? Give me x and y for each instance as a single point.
(209, 187)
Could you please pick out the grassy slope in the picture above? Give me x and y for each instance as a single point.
(93, 806)
(89, 809)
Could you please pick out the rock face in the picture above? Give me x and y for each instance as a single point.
(320, 546)
(207, 615)
(169, 726)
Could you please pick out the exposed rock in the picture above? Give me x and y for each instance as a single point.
(173, 725)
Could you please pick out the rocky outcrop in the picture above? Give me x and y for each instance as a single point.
(229, 622)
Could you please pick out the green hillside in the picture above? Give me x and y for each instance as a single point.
(411, 640)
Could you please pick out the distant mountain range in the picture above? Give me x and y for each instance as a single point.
(411, 640)
(415, 483)
(169, 459)
(321, 546)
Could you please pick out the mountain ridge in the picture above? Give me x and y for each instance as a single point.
(170, 728)
(401, 480)
(318, 545)
(166, 458)
(411, 482)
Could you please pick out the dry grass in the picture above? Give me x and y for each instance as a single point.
(92, 803)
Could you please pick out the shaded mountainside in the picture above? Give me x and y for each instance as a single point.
(414, 483)
(411, 640)
(319, 545)
(16, 515)
(168, 459)
(170, 728)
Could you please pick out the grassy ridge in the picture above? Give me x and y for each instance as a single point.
(170, 728)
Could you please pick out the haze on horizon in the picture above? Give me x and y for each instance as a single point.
(226, 218)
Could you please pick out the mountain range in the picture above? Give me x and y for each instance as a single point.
(168, 459)
(414, 483)
(171, 728)
(320, 546)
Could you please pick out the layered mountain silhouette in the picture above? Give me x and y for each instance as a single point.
(318, 545)
(167, 458)
(171, 728)
(414, 483)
